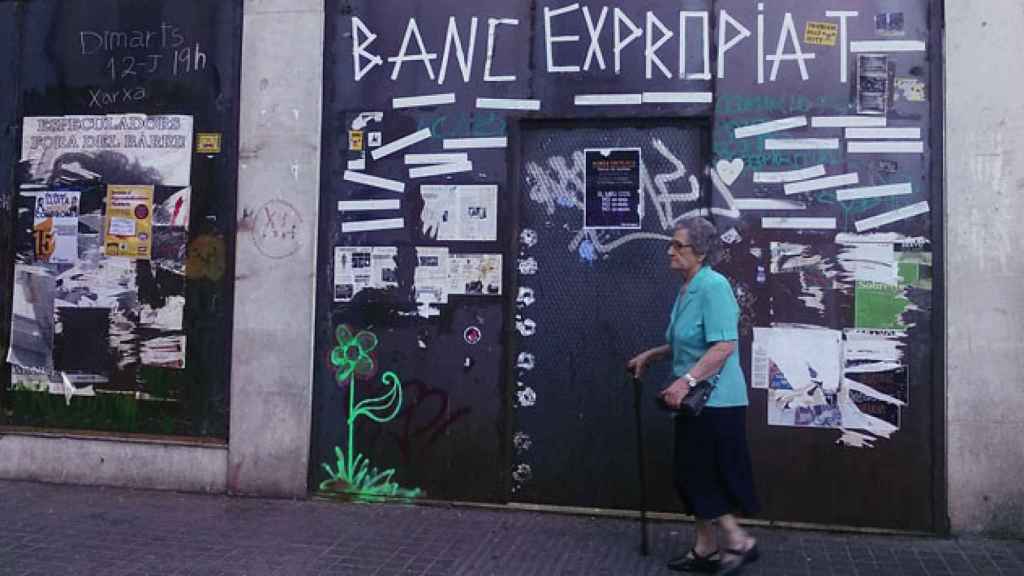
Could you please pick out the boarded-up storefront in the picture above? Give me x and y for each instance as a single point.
(479, 296)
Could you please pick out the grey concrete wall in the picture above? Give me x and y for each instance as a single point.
(985, 264)
(154, 465)
(278, 188)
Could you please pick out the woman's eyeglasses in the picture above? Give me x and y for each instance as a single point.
(677, 245)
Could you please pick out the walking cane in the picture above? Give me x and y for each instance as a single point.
(637, 402)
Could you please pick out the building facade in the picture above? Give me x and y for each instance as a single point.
(376, 250)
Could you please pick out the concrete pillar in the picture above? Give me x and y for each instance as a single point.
(985, 265)
(275, 270)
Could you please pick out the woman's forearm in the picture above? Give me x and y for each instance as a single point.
(712, 360)
(659, 351)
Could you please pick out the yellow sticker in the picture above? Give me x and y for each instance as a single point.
(208, 142)
(355, 140)
(821, 33)
(128, 223)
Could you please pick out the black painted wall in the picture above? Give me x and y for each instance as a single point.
(483, 421)
(56, 56)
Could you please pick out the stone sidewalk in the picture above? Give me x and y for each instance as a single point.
(48, 530)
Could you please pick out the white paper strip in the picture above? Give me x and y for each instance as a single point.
(677, 98)
(403, 142)
(439, 169)
(411, 159)
(874, 192)
(470, 143)
(789, 176)
(372, 225)
(894, 216)
(798, 223)
(801, 144)
(887, 46)
(427, 100)
(823, 183)
(883, 133)
(769, 127)
(357, 164)
(848, 122)
(768, 204)
(507, 104)
(608, 99)
(885, 147)
(368, 205)
(374, 181)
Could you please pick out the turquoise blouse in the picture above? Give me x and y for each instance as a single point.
(706, 314)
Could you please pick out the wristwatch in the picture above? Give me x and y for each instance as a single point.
(690, 379)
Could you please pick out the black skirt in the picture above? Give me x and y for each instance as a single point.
(713, 474)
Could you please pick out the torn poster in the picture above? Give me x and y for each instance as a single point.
(32, 327)
(431, 277)
(802, 369)
(867, 260)
(612, 188)
(879, 305)
(72, 149)
(360, 268)
(460, 212)
(889, 24)
(128, 224)
(55, 227)
(474, 274)
(872, 84)
(804, 282)
(164, 352)
(911, 90)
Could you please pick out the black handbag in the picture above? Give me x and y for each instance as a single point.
(695, 400)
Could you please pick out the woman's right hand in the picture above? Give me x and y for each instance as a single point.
(639, 363)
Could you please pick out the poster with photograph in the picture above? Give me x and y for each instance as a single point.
(802, 370)
(72, 149)
(872, 84)
(474, 274)
(460, 212)
(612, 188)
(359, 268)
(55, 227)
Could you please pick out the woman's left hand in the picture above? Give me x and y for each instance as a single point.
(674, 394)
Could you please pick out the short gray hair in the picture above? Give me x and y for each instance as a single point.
(703, 237)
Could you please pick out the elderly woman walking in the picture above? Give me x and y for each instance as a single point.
(713, 473)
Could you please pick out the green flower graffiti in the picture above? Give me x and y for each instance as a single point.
(352, 473)
(353, 354)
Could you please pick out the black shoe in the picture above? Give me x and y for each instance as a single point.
(734, 560)
(693, 562)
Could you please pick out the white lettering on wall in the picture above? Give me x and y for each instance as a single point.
(465, 55)
(423, 56)
(550, 41)
(789, 32)
(651, 52)
(359, 49)
(843, 44)
(492, 25)
(705, 74)
(724, 20)
(595, 36)
(620, 42)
